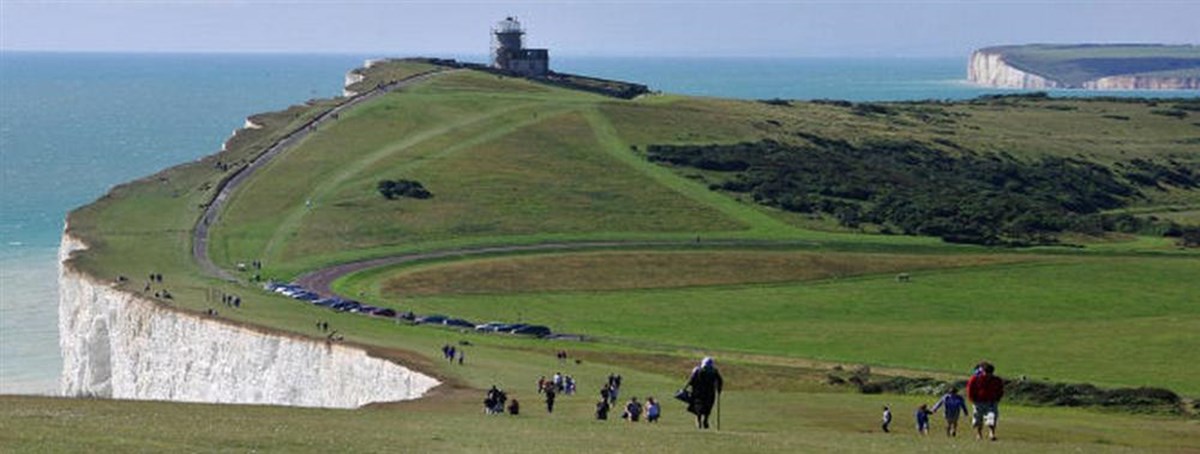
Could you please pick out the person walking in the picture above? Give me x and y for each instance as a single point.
(953, 403)
(550, 395)
(985, 390)
(887, 419)
(704, 386)
(922, 417)
(652, 410)
(602, 408)
(633, 410)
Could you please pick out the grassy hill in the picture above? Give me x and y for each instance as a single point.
(782, 298)
(1074, 64)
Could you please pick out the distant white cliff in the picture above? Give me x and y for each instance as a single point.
(118, 344)
(355, 76)
(990, 69)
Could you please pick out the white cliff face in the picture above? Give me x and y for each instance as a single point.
(989, 69)
(356, 76)
(1143, 83)
(119, 345)
(352, 78)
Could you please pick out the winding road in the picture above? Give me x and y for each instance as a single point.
(212, 213)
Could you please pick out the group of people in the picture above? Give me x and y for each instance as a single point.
(493, 403)
(633, 410)
(984, 389)
(452, 354)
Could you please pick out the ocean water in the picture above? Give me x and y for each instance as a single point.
(72, 125)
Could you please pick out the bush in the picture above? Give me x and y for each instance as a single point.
(393, 189)
(919, 189)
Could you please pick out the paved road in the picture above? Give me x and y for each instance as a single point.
(212, 213)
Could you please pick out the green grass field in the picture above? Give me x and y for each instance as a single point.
(779, 303)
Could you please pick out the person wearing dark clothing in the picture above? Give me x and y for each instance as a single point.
(550, 395)
(704, 387)
(514, 408)
(985, 390)
(633, 410)
(602, 408)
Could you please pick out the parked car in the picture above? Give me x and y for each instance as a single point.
(384, 312)
(326, 302)
(306, 296)
(458, 322)
(490, 326)
(407, 315)
(365, 309)
(532, 330)
(432, 319)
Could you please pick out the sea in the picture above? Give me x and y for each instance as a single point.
(72, 125)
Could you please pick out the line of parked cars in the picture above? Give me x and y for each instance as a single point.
(297, 292)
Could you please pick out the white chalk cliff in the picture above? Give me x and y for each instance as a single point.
(990, 69)
(118, 344)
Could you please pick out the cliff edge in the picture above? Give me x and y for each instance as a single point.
(116, 344)
(1087, 66)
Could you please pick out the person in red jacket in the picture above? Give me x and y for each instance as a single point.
(985, 389)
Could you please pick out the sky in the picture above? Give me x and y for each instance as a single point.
(598, 28)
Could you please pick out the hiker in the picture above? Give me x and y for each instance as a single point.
(461, 354)
(704, 386)
(953, 403)
(490, 401)
(922, 416)
(450, 353)
(602, 408)
(514, 408)
(550, 395)
(633, 410)
(606, 392)
(887, 419)
(569, 385)
(653, 410)
(985, 389)
(558, 381)
(542, 384)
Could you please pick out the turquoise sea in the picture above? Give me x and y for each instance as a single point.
(74, 124)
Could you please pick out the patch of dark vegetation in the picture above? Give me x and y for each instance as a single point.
(1174, 113)
(917, 188)
(1189, 141)
(776, 102)
(833, 102)
(1116, 117)
(1024, 391)
(1187, 237)
(865, 109)
(1062, 108)
(1153, 174)
(394, 189)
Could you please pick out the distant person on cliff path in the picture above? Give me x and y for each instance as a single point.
(704, 385)
(985, 390)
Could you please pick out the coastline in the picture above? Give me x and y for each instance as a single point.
(118, 344)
